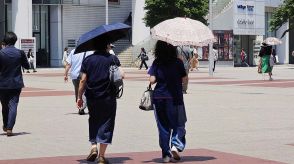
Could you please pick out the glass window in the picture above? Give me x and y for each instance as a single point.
(114, 1)
(36, 1)
(268, 33)
(51, 1)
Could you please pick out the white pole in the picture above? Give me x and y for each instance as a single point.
(210, 58)
(106, 11)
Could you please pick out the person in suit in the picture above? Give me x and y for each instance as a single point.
(11, 80)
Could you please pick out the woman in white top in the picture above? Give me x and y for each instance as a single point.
(65, 54)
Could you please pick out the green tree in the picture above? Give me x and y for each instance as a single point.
(160, 10)
(281, 15)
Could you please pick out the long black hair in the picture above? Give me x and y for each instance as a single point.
(165, 52)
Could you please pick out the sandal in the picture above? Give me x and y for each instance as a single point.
(93, 154)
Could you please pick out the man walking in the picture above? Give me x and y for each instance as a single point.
(11, 80)
(73, 63)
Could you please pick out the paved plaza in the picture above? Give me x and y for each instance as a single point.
(234, 117)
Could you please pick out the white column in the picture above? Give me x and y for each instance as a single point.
(106, 11)
(56, 46)
(210, 57)
(22, 18)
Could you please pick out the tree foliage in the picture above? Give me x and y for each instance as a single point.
(160, 10)
(282, 15)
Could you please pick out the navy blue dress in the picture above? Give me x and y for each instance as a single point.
(100, 99)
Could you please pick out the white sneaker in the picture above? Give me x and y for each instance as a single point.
(175, 153)
(166, 159)
(271, 79)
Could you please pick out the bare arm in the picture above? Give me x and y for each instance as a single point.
(122, 72)
(81, 90)
(67, 67)
(152, 79)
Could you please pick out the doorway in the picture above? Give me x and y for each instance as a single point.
(246, 42)
(41, 33)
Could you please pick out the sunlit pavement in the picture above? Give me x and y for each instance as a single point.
(234, 117)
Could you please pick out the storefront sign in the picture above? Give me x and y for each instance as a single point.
(245, 21)
(250, 8)
(246, 14)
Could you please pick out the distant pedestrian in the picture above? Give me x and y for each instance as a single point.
(143, 56)
(73, 64)
(185, 54)
(274, 55)
(101, 99)
(215, 56)
(31, 59)
(168, 72)
(265, 55)
(243, 56)
(11, 80)
(64, 57)
(194, 61)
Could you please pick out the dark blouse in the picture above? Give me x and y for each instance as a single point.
(265, 50)
(96, 67)
(168, 80)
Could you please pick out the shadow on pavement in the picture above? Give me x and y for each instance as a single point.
(112, 160)
(76, 113)
(16, 134)
(184, 159)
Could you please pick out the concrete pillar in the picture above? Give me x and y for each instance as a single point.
(56, 50)
(22, 18)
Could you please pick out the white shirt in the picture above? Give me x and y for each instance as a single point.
(215, 54)
(111, 52)
(64, 58)
(75, 62)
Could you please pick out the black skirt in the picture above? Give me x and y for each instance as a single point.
(102, 114)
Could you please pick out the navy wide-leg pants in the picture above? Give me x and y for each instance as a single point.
(171, 121)
(9, 99)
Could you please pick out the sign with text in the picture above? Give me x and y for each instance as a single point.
(249, 17)
(29, 43)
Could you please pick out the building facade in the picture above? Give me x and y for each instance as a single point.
(248, 20)
(56, 24)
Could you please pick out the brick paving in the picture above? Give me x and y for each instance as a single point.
(234, 117)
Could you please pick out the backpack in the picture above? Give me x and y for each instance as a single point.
(116, 80)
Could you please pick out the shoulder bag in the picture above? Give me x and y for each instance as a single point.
(146, 99)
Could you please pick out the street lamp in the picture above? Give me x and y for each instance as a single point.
(210, 58)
